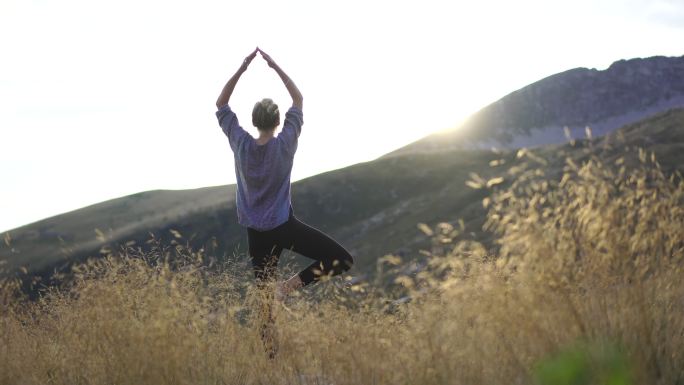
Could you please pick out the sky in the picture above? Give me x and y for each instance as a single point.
(101, 99)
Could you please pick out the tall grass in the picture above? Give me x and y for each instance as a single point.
(585, 286)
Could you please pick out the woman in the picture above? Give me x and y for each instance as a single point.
(263, 167)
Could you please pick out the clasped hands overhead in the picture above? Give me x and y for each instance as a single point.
(251, 56)
(224, 97)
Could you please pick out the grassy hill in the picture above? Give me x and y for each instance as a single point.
(585, 288)
(372, 208)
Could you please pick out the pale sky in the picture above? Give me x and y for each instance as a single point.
(101, 99)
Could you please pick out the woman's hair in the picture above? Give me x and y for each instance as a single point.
(265, 115)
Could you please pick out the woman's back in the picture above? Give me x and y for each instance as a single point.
(263, 171)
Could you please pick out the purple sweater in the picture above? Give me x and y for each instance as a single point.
(262, 171)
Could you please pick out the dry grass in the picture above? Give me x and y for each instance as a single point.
(586, 287)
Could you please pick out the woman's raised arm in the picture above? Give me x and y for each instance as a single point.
(230, 85)
(297, 98)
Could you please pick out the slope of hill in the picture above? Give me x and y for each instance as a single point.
(628, 91)
(74, 235)
(372, 208)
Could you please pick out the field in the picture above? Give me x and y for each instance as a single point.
(581, 284)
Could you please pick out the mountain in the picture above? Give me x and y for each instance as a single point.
(372, 208)
(627, 91)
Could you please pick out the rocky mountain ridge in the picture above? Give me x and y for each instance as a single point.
(625, 92)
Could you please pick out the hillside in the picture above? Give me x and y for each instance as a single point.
(625, 92)
(49, 242)
(372, 208)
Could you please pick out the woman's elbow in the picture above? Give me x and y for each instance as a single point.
(221, 101)
(298, 101)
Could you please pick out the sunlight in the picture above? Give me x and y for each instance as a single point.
(75, 68)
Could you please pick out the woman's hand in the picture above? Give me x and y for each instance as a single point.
(248, 59)
(268, 59)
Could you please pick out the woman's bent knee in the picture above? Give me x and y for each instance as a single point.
(343, 264)
(350, 262)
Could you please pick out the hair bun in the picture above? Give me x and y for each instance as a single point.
(265, 115)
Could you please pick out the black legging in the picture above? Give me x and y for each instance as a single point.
(265, 248)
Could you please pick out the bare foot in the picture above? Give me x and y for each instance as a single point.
(283, 289)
